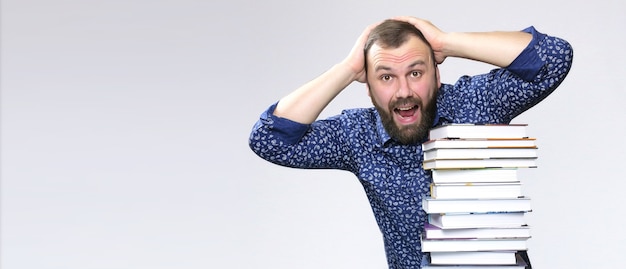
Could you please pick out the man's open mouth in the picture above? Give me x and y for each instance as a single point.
(406, 112)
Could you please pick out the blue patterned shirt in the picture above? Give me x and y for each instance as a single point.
(391, 173)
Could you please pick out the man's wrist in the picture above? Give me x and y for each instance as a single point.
(347, 71)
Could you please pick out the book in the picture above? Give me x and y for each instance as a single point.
(434, 232)
(476, 190)
(477, 220)
(479, 143)
(480, 163)
(522, 262)
(474, 257)
(449, 245)
(457, 130)
(479, 153)
(433, 206)
(476, 209)
(474, 175)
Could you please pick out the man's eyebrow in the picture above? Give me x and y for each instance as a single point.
(381, 67)
(412, 65)
(418, 62)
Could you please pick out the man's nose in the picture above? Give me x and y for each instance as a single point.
(404, 90)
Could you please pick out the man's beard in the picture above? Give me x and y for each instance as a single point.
(414, 133)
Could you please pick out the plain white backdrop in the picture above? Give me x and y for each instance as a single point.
(124, 128)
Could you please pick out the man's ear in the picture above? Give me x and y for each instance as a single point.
(438, 77)
(367, 87)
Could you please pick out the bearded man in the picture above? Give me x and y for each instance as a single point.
(398, 60)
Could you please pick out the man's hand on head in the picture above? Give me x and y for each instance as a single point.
(434, 35)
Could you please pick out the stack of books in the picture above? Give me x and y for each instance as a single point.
(476, 206)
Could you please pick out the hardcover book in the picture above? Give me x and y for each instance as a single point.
(474, 153)
(434, 206)
(479, 143)
(522, 262)
(475, 175)
(449, 245)
(476, 190)
(477, 220)
(434, 232)
(480, 163)
(481, 131)
(474, 257)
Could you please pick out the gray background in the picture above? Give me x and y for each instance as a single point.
(125, 124)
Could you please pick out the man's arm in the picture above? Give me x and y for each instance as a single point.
(306, 103)
(496, 48)
(504, 93)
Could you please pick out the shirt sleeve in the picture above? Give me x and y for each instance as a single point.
(288, 143)
(504, 93)
(285, 130)
(528, 63)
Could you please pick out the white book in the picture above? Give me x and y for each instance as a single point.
(477, 220)
(475, 153)
(474, 257)
(476, 190)
(447, 245)
(479, 131)
(434, 206)
(475, 175)
(521, 263)
(434, 232)
(479, 143)
(480, 163)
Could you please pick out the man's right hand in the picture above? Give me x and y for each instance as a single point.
(356, 59)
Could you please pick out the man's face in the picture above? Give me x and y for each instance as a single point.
(403, 84)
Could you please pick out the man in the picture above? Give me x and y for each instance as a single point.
(398, 60)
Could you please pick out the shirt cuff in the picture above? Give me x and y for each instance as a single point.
(286, 130)
(528, 64)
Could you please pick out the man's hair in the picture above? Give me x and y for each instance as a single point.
(392, 34)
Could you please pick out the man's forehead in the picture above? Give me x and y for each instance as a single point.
(413, 50)
(394, 57)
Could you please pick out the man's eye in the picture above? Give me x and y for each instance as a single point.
(385, 77)
(416, 74)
